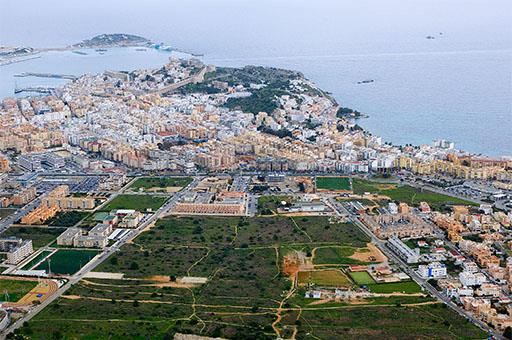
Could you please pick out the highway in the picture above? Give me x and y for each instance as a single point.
(100, 258)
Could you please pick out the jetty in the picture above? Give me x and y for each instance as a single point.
(35, 89)
(47, 75)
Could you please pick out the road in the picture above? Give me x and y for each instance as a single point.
(100, 258)
(422, 282)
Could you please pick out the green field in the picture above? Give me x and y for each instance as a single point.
(361, 278)
(136, 202)
(67, 218)
(160, 183)
(337, 255)
(241, 257)
(407, 287)
(405, 193)
(267, 205)
(325, 278)
(40, 236)
(36, 259)
(333, 183)
(15, 289)
(67, 262)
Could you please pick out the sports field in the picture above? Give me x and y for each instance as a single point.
(159, 183)
(361, 278)
(324, 278)
(136, 202)
(11, 290)
(333, 183)
(67, 261)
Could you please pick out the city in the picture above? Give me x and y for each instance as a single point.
(240, 203)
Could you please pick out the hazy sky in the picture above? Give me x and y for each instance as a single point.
(60, 22)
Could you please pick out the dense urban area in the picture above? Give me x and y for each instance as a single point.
(240, 203)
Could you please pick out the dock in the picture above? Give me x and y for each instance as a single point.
(35, 89)
(46, 75)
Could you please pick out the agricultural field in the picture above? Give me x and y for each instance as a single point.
(135, 202)
(247, 295)
(408, 194)
(333, 183)
(160, 184)
(67, 218)
(67, 261)
(40, 236)
(15, 289)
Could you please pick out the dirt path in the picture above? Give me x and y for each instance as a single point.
(301, 230)
(208, 250)
(291, 291)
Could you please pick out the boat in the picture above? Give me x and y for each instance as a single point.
(430, 37)
(367, 81)
(101, 50)
(79, 52)
(141, 49)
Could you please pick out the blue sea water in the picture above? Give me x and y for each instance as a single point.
(457, 86)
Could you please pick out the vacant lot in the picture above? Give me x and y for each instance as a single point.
(325, 278)
(333, 183)
(241, 259)
(12, 290)
(267, 205)
(361, 278)
(338, 255)
(40, 236)
(6, 212)
(407, 194)
(160, 183)
(407, 287)
(136, 202)
(67, 218)
(67, 261)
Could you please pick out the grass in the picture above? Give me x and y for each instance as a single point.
(361, 278)
(6, 212)
(160, 183)
(333, 183)
(16, 289)
(36, 259)
(67, 218)
(67, 261)
(337, 255)
(40, 236)
(135, 202)
(407, 287)
(267, 205)
(325, 278)
(408, 194)
(241, 257)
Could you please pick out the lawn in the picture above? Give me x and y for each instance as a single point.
(408, 194)
(15, 289)
(361, 278)
(135, 202)
(407, 287)
(67, 261)
(67, 218)
(333, 183)
(40, 236)
(160, 183)
(325, 278)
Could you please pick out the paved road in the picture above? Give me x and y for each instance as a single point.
(100, 258)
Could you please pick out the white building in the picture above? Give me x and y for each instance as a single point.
(472, 279)
(403, 251)
(433, 270)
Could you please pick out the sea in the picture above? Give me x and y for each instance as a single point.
(455, 85)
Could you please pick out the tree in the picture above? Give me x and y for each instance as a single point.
(134, 266)
(508, 333)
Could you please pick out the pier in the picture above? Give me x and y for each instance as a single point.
(47, 75)
(36, 89)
